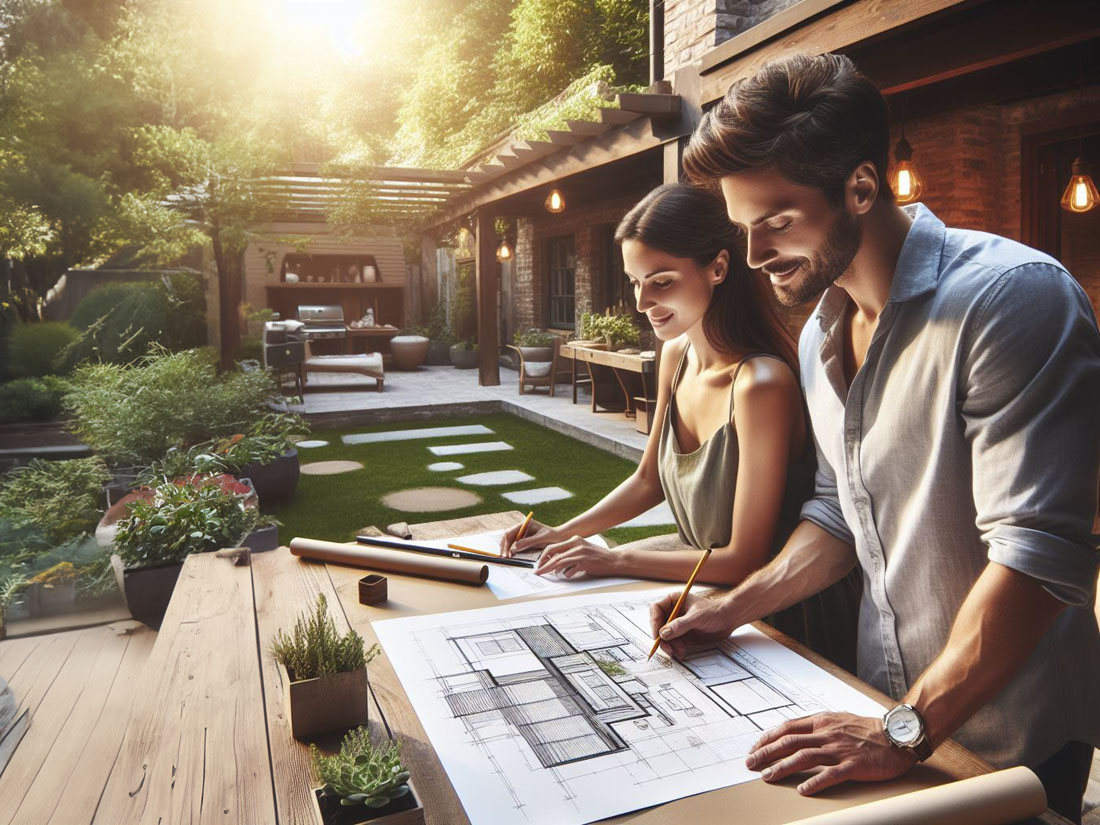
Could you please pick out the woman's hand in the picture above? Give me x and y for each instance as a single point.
(538, 535)
(576, 555)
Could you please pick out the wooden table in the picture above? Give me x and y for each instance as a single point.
(368, 333)
(616, 378)
(206, 739)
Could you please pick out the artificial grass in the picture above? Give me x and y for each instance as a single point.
(334, 507)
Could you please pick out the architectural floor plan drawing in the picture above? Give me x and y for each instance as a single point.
(548, 712)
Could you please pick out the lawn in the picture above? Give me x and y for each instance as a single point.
(334, 507)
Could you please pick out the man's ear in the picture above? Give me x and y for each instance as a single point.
(861, 188)
(720, 267)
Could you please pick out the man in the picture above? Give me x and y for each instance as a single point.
(953, 382)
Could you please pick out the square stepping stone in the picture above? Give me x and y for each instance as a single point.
(444, 466)
(537, 495)
(496, 477)
(661, 514)
(413, 435)
(462, 449)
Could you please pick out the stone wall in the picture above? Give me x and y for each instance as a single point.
(694, 27)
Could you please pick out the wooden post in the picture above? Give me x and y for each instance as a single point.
(488, 287)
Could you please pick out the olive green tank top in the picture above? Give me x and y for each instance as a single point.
(699, 486)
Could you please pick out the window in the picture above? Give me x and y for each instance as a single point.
(562, 264)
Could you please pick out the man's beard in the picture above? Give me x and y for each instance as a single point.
(841, 244)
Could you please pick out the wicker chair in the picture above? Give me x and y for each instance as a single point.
(537, 367)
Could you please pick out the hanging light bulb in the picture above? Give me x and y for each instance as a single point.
(905, 181)
(555, 201)
(1080, 194)
(504, 252)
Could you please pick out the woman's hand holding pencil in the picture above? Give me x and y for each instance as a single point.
(530, 534)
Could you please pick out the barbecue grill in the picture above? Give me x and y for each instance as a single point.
(322, 321)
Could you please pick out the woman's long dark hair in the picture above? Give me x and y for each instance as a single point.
(688, 221)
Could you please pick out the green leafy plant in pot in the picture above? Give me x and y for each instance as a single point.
(164, 526)
(324, 674)
(364, 782)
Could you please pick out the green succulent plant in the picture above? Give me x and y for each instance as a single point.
(361, 774)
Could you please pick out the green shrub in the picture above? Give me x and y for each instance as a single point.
(251, 349)
(315, 648)
(119, 322)
(361, 774)
(32, 399)
(9, 317)
(533, 338)
(135, 414)
(180, 519)
(41, 348)
(58, 498)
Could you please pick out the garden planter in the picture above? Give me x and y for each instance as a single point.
(147, 589)
(409, 351)
(276, 481)
(405, 810)
(536, 354)
(262, 539)
(325, 704)
(50, 600)
(464, 359)
(439, 354)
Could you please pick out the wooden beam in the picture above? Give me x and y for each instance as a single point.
(789, 18)
(841, 28)
(587, 127)
(616, 144)
(387, 173)
(617, 117)
(487, 271)
(650, 104)
(563, 138)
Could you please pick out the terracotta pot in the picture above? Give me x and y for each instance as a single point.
(325, 704)
(409, 351)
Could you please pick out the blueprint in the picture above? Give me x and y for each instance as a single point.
(547, 712)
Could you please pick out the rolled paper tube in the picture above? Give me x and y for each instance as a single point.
(991, 799)
(391, 561)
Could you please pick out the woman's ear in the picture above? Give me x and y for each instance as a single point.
(719, 268)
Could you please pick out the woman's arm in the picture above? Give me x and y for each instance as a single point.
(639, 492)
(767, 409)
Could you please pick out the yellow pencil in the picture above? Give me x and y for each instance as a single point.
(679, 602)
(471, 550)
(523, 527)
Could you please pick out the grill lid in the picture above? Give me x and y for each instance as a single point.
(331, 315)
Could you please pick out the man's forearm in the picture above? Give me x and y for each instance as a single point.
(811, 560)
(998, 626)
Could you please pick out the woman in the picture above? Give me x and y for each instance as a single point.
(729, 448)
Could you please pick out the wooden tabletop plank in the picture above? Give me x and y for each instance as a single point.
(195, 749)
(285, 587)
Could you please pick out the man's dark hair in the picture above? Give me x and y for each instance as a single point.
(814, 117)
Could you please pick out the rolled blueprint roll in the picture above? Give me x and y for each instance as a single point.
(991, 799)
(391, 561)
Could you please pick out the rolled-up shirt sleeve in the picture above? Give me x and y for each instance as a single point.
(823, 509)
(1029, 398)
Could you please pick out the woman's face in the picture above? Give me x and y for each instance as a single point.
(674, 293)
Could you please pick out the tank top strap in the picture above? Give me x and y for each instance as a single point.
(676, 376)
(737, 370)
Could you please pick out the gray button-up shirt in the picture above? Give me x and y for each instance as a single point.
(971, 434)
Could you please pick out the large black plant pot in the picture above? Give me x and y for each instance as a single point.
(275, 482)
(149, 589)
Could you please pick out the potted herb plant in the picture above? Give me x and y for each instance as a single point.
(535, 344)
(464, 355)
(590, 333)
(364, 783)
(165, 525)
(324, 674)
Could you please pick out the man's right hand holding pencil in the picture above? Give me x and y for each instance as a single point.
(702, 619)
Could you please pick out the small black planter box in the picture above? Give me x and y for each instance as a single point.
(405, 810)
(148, 589)
(274, 482)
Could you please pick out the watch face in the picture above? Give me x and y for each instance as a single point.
(903, 726)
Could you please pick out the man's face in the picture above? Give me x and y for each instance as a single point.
(794, 234)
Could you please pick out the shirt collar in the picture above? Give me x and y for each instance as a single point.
(917, 270)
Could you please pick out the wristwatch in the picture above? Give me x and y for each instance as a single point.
(904, 727)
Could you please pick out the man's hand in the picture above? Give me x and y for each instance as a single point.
(575, 556)
(701, 620)
(846, 746)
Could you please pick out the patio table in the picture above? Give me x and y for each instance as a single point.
(634, 375)
(208, 740)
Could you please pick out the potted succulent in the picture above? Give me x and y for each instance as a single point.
(364, 783)
(324, 674)
(164, 525)
(464, 355)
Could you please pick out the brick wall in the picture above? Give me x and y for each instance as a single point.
(587, 225)
(694, 27)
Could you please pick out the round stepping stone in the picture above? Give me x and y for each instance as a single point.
(311, 443)
(330, 468)
(430, 499)
(444, 466)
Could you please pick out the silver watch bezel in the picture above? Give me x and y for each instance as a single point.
(910, 710)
